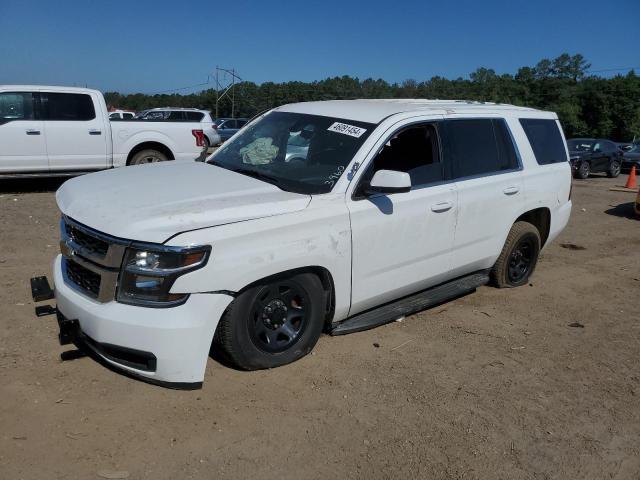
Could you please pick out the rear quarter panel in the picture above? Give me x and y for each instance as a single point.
(176, 136)
(545, 185)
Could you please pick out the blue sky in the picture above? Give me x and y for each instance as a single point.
(150, 46)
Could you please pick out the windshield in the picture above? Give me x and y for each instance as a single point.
(580, 145)
(296, 152)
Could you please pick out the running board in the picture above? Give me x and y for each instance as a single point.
(411, 304)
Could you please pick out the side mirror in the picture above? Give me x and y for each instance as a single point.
(388, 182)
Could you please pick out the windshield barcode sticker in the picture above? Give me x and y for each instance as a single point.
(347, 129)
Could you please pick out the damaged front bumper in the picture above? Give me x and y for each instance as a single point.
(165, 346)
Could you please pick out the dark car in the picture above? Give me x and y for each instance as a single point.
(227, 127)
(594, 155)
(631, 158)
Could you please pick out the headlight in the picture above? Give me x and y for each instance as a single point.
(148, 274)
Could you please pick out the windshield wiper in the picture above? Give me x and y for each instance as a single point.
(249, 172)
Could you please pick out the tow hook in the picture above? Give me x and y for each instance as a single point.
(41, 291)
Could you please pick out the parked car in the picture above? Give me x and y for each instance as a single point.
(185, 115)
(121, 115)
(227, 127)
(625, 146)
(630, 158)
(395, 206)
(64, 130)
(594, 155)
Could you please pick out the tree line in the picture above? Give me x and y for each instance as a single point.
(589, 105)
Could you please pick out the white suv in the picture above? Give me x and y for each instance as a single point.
(390, 207)
(178, 114)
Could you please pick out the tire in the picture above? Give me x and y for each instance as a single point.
(148, 156)
(583, 170)
(614, 169)
(518, 258)
(256, 332)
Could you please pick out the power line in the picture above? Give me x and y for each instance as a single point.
(612, 69)
(208, 82)
(182, 88)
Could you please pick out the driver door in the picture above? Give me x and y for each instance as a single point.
(402, 242)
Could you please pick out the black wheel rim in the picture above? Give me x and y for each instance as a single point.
(279, 316)
(615, 168)
(584, 169)
(521, 260)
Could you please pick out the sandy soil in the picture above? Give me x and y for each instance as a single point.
(495, 385)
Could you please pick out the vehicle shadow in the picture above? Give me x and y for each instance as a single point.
(30, 185)
(624, 210)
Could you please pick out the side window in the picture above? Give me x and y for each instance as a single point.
(545, 139)
(414, 150)
(176, 116)
(127, 116)
(70, 107)
(16, 106)
(241, 123)
(194, 116)
(478, 146)
(230, 124)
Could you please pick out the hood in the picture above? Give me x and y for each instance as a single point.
(156, 201)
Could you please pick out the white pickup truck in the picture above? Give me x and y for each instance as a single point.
(335, 216)
(65, 130)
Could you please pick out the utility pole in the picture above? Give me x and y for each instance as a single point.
(227, 89)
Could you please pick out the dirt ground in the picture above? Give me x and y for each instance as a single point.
(495, 385)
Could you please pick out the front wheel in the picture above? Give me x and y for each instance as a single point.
(583, 170)
(519, 256)
(614, 169)
(272, 323)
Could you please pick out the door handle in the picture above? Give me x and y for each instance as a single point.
(511, 190)
(33, 132)
(95, 132)
(441, 207)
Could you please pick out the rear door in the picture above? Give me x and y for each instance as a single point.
(488, 175)
(75, 132)
(22, 141)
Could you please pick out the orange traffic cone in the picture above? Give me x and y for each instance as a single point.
(631, 181)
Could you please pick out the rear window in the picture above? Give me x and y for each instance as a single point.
(70, 107)
(478, 146)
(545, 139)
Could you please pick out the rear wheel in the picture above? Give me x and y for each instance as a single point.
(148, 156)
(614, 169)
(519, 256)
(273, 323)
(583, 170)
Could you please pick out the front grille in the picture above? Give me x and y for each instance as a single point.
(92, 259)
(83, 278)
(89, 243)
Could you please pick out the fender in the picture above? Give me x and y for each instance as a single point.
(248, 251)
